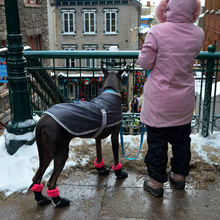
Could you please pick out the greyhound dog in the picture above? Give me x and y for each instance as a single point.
(62, 122)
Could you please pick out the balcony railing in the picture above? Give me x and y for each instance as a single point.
(72, 76)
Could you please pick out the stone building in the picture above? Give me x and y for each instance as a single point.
(34, 30)
(3, 33)
(33, 24)
(96, 25)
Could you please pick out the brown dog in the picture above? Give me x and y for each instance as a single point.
(64, 121)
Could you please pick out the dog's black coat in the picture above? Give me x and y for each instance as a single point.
(87, 116)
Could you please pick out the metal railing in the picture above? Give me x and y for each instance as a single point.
(60, 76)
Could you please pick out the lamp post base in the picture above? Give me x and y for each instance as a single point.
(19, 134)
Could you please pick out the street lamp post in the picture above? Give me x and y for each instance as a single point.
(18, 81)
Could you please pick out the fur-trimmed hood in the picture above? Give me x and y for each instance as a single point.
(178, 11)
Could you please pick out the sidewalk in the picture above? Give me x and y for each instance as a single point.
(104, 198)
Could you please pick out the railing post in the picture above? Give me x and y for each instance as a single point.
(18, 81)
(208, 93)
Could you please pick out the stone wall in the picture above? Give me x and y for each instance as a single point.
(3, 33)
(33, 21)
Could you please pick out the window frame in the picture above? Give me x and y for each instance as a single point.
(110, 12)
(32, 2)
(107, 46)
(35, 41)
(90, 61)
(90, 12)
(90, 23)
(70, 60)
(68, 13)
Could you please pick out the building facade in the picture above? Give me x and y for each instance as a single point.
(33, 23)
(96, 25)
(34, 30)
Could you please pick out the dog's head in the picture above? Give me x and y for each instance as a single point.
(112, 79)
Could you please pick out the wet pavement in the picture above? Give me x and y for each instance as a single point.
(105, 198)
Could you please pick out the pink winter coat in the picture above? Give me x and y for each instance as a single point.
(169, 51)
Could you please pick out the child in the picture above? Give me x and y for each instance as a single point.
(169, 51)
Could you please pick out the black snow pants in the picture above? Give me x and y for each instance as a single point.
(156, 157)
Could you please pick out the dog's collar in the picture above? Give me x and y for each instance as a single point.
(112, 91)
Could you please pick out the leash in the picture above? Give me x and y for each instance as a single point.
(141, 142)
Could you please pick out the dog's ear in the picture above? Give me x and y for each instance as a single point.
(119, 73)
(104, 71)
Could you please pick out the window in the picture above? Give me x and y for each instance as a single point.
(34, 2)
(89, 22)
(69, 62)
(90, 62)
(2, 43)
(111, 47)
(68, 21)
(110, 21)
(34, 42)
(89, 19)
(107, 46)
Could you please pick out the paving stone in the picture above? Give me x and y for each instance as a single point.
(97, 198)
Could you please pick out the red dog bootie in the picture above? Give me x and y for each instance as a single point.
(56, 199)
(41, 199)
(101, 168)
(120, 174)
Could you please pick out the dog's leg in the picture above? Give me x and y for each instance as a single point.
(60, 158)
(44, 161)
(117, 167)
(99, 162)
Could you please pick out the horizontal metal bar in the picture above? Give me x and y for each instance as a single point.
(95, 54)
(208, 55)
(101, 54)
(81, 54)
